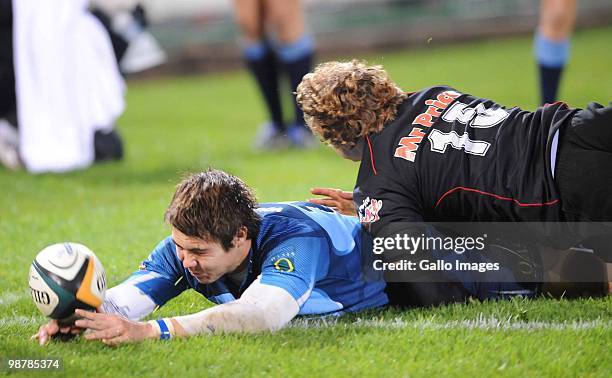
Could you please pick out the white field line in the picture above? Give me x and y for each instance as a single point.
(480, 323)
(21, 321)
(11, 297)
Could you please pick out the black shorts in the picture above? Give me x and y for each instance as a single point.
(584, 165)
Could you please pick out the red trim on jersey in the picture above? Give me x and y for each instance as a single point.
(557, 102)
(495, 196)
(371, 155)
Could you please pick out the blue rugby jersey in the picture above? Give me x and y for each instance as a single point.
(308, 250)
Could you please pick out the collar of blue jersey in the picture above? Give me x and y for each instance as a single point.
(254, 266)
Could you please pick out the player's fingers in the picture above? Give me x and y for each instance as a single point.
(324, 191)
(43, 336)
(95, 325)
(51, 328)
(103, 334)
(320, 200)
(37, 334)
(317, 201)
(346, 195)
(324, 201)
(64, 329)
(116, 340)
(45, 331)
(84, 323)
(86, 314)
(319, 191)
(110, 342)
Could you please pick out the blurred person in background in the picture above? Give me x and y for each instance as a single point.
(126, 22)
(9, 156)
(274, 38)
(552, 44)
(62, 90)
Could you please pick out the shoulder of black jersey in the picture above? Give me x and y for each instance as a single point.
(428, 92)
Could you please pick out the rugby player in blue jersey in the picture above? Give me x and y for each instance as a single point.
(262, 265)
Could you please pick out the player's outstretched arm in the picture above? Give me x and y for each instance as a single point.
(339, 200)
(261, 308)
(124, 302)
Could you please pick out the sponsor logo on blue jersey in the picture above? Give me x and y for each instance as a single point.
(284, 264)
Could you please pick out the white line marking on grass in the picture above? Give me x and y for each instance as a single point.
(11, 297)
(481, 323)
(22, 321)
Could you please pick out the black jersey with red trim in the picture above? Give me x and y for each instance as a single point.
(450, 156)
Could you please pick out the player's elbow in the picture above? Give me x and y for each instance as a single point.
(261, 308)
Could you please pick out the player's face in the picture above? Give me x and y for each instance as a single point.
(206, 260)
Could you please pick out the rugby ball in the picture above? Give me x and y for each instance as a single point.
(64, 277)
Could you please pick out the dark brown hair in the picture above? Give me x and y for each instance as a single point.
(213, 205)
(344, 101)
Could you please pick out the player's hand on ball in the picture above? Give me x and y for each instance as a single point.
(339, 200)
(113, 329)
(52, 330)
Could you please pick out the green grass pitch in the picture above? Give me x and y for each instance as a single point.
(177, 125)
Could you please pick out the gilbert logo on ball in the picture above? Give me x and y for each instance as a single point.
(64, 277)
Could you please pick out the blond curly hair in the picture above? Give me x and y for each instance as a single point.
(344, 101)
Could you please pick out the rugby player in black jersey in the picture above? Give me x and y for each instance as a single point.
(442, 155)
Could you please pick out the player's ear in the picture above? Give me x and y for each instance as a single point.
(241, 236)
